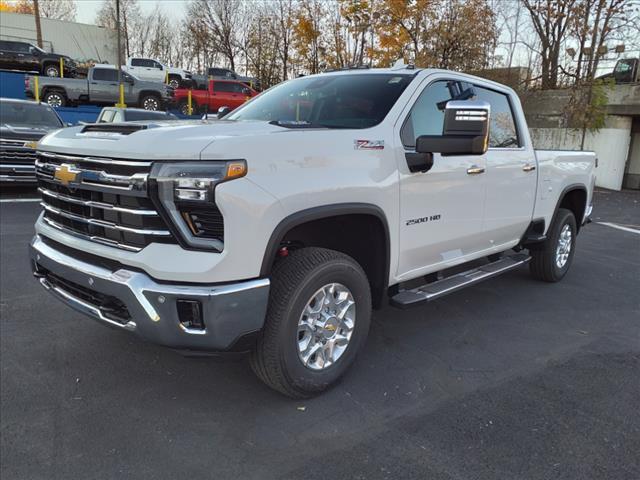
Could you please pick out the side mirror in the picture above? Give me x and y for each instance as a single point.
(246, 91)
(465, 132)
(222, 111)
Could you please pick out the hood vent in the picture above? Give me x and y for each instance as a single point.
(113, 128)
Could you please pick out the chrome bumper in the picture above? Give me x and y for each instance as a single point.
(229, 311)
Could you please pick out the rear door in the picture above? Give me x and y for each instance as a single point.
(511, 173)
(440, 210)
(103, 86)
(7, 55)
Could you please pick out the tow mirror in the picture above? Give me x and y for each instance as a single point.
(465, 131)
(222, 111)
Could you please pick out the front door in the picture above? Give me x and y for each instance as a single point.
(511, 174)
(103, 86)
(441, 211)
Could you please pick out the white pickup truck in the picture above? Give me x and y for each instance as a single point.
(153, 70)
(275, 230)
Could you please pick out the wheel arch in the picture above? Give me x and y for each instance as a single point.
(363, 235)
(573, 197)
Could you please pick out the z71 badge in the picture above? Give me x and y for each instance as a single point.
(368, 144)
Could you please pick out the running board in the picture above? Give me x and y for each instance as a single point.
(432, 291)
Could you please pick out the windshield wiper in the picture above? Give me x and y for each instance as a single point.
(295, 124)
(305, 124)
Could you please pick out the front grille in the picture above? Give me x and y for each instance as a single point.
(110, 307)
(106, 202)
(17, 162)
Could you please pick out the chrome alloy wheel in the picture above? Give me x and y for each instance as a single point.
(54, 100)
(151, 103)
(563, 250)
(326, 326)
(52, 71)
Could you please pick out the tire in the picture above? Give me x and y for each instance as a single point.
(150, 102)
(296, 280)
(51, 70)
(183, 108)
(174, 82)
(552, 262)
(55, 98)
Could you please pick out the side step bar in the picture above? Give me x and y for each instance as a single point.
(434, 290)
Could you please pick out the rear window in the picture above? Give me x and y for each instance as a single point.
(28, 114)
(330, 101)
(105, 74)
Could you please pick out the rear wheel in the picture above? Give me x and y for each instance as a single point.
(150, 102)
(184, 108)
(551, 262)
(54, 98)
(317, 320)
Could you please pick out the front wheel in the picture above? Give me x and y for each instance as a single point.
(317, 320)
(551, 262)
(174, 82)
(150, 102)
(52, 71)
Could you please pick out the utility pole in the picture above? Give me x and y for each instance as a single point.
(36, 14)
(119, 63)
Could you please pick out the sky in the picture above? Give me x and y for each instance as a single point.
(87, 9)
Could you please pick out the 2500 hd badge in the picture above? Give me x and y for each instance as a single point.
(415, 221)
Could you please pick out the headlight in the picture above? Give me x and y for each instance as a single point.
(184, 192)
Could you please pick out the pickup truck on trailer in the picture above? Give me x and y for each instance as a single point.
(155, 71)
(101, 87)
(278, 228)
(218, 94)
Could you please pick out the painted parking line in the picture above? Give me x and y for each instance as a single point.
(619, 227)
(19, 200)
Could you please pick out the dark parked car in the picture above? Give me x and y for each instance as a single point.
(26, 57)
(22, 124)
(214, 73)
(117, 115)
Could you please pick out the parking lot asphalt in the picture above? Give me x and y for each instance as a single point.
(510, 379)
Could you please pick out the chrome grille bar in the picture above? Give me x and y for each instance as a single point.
(91, 203)
(102, 240)
(99, 178)
(105, 161)
(103, 223)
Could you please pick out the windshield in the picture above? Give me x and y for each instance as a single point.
(331, 101)
(16, 114)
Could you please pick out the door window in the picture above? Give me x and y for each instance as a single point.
(105, 74)
(224, 87)
(21, 47)
(427, 114)
(502, 128)
(7, 46)
(137, 62)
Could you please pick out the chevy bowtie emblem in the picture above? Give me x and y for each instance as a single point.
(66, 173)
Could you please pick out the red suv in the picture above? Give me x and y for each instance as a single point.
(221, 93)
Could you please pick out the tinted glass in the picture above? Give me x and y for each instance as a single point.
(137, 62)
(105, 74)
(224, 87)
(427, 116)
(502, 129)
(6, 46)
(30, 114)
(331, 101)
(22, 47)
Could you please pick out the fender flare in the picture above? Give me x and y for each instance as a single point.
(563, 194)
(317, 213)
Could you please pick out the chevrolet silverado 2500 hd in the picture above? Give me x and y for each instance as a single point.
(276, 230)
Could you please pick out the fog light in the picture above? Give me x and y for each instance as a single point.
(190, 314)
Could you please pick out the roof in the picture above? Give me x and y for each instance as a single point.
(18, 100)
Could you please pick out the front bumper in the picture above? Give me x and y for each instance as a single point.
(147, 308)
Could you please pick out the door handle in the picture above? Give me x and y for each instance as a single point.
(528, 168)
(475, 170)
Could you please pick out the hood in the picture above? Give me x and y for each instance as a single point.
(24, 132)
(155, 141)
